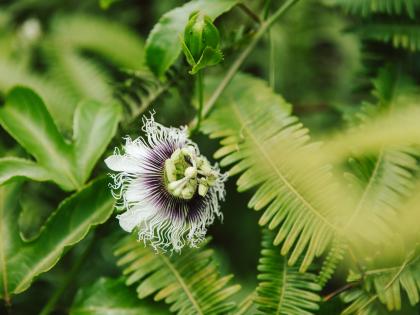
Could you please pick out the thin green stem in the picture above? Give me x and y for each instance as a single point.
(272, 60)
(200, 98)
(266, 9)
(265, 25)
(340, 290)
(250, 13)
(55, 298)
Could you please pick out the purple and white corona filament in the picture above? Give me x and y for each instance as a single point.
(170, 193)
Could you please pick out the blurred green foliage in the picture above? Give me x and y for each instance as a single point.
(93, 63)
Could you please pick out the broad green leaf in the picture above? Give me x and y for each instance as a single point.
(26, 118)
(37, 204)
(11, 168)
(21, 262)
(94, 126)
(163, 45)
(59, 101)
(111, 297)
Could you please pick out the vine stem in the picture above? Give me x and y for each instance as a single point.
(55, 298)
(200, 96)
(264, 26)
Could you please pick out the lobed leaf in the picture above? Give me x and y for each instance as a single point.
(26, 118)
(68, 164)
(94, 126)
(21, 262)
(11, 167)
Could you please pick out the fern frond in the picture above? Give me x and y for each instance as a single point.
(283, 289)
(401, 35)
(265, 146)
(189, 282)
(362, 303)
(385, 179)
(78, 75)
(112, 41)
(386, 285)
(329, 265)
(368, 7)
(138, 90)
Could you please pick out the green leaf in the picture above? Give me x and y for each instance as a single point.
(111, 297)
(37, 204)
(26, 118)
(270, 149)
(11, 168)
(190, 282)
(282, 289)
(59, 101)
(106, 4)
(163, 46)
(21, 262)
(94, 126)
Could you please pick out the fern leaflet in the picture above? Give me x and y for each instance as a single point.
(283, 289)
(190, 283)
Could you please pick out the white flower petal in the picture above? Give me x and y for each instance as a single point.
(122, 163)
(136, 148)
(132, 218)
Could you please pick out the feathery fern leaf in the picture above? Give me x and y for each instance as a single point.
(368, 7)
(112, 41)
(385, 179)
(190, 282)
(329, 265)
(78, 75)
(282, 288)
(402, 35)
(386, 285)
(362, 303)
(265, 145)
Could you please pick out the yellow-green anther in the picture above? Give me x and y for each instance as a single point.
(176, 155)
(170, 170)
(190, 172)
(202, 189)
(187, 173)
(205, 167)
(189, 190)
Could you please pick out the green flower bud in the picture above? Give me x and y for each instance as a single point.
(201, 42)
(200, 33)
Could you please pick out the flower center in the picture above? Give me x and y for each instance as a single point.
(187, 173)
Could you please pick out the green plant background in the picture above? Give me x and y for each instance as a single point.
(75, 77)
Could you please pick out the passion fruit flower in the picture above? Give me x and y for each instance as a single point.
(168, 191)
